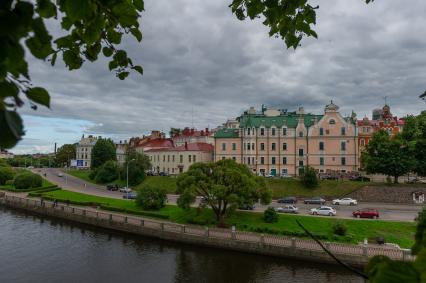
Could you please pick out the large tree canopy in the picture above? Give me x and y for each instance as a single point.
(90, 27)
(103, 151)
(64, 154)
(224, 185)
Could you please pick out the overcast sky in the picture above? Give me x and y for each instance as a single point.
(202, 66)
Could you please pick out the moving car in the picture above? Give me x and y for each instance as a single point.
(131, 195)
(291, 200)
(60, 174)
(323, 210)
(246, 207)
(125, 190)
(315, 200)
(112, 187)
(360, 178)
(345, 201)
(287, 209)
(366, 213)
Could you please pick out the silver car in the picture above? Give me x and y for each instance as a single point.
(288, 209)
(323, 210)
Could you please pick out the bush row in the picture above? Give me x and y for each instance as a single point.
(299, 234)
(39, 193)
(38, 189)
(137, 212)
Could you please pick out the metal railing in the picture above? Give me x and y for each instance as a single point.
(365, 251)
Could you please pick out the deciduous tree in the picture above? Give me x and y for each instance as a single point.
(64, 154)
(103, 151)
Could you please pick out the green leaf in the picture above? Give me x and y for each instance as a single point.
(107, 51)
(139, 69)
(136, 33)
(77, 9)
(126, 14)
(46, 9)
(114, 36)
(112, 65)
(72, 60)
(53, 59)
(8, 89)
(123, 75)
(11, 128)
(39, 95)
(139, 5)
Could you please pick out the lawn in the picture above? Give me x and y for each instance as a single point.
(84, 175)
(168, 183)
(401, 233)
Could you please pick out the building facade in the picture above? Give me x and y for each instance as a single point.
(84, 151)
(280, 143)
(191, 135)
(4, 154)
(176, 160)
(121, 151)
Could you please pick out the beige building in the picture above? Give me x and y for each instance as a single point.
(121, 151)
(177, 160)
(280, 143)
(84, 152)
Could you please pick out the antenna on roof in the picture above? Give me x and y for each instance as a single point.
(386, 100)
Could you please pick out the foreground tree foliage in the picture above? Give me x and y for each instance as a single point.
(27, 180)
(90, 27)
(107, 172)
(150, 198)
(64, 154)
(387, 155)
(224, 185)
(103, 151)
(309, 177)
(415, 134)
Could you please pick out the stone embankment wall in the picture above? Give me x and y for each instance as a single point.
(387, 194)
(270, 245)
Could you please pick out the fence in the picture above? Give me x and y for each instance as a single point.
(225, 238)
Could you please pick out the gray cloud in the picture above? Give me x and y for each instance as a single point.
(198, 58)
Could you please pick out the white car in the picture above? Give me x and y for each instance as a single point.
(60, 174)
(288, 209)
(125, 190)
(323, 210)
(345, 201)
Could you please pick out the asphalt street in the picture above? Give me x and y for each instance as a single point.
(396, 212)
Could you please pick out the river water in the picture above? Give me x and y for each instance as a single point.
(38, 249)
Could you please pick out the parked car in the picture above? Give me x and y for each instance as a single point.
(288, 209)
(291, 200)
(150, 173)
(112, 187)
(125, 190)
(360, 178)
(60, 174)
(323, 210)
(163, 174)
(131, 195)
(328, 177)
(366, 213)
(315, 200)
(345, 201)
(246, 207)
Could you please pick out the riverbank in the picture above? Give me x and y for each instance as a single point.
(211, 237)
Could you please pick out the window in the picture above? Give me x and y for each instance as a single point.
(343, 159)
(223, 146)
(252, 146)
(301, 163)
(285, 146)
(362, 141)
(300, 134)
(273, 131)
(234, 146)
(233, 158)
(248, 160)
(189, 158)
(300, 151)
(173, 158)
(181, 158)
(164, 159)
(321, 145)
(150, 158)
(284, 131)
(262, 131)
(273, 160)
(321, 131)
(223, 157)
(364, 129)
(321, 160)
(248, 131)
(284, 160)
(262, 160)
(262, 146)
(284, 172)
(343, 131)
(273, 146)
(252, 160)
(194, 158)
(168, 158)
(343, 145)
(332, 122)
(173, 170)
(244, 145)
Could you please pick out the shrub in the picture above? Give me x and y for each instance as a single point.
(270, 215)
(92, 174)
(27, 180)
(151, 198)
(339, 229)
(9, 182)
(6, 174)
(108, 172)
(309, 178)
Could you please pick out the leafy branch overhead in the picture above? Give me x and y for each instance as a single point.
(90, 26)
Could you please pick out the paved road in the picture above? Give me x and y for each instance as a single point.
(398, 212)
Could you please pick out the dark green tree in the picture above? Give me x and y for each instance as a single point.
(64, 154)
(309, 177)
(387, 155)
(224, 185)
(414, 134)
(107, 172)
(138, 163)
(151, 198)
(103, 151)
(270, 215)
(27, 180)
(6, 173)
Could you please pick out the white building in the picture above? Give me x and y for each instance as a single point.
(84, 152)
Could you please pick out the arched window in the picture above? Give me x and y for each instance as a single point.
(332, 122)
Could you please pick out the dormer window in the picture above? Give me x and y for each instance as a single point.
(273, 131)
(300, 134)
(248, 131)
(262, 131)
(332, 122)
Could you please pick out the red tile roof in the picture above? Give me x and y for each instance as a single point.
(198, 146)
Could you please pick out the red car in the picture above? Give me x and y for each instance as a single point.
(366, 213)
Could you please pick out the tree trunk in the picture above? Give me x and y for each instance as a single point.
(395, 180)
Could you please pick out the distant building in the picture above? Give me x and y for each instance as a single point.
(191, 135)
(121, 151)
(176, 160)
(277, 142)
(84, 151)
(139, 143)
(4, 154)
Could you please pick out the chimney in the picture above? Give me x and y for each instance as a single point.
(186, 145)
(192, 131)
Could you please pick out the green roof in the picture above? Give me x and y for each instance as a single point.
(290, 120)
(227, 133)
